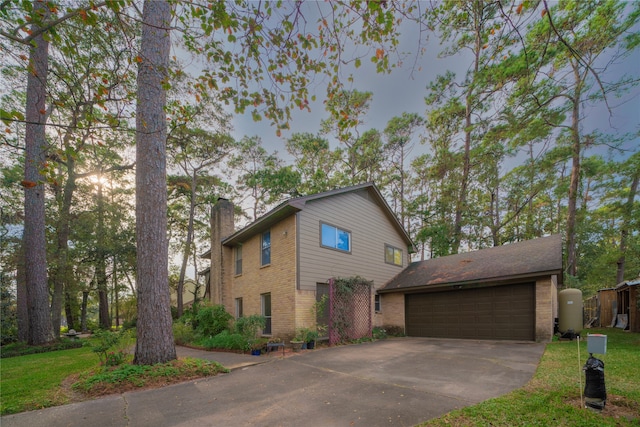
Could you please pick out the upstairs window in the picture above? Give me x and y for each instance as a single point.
(238, 260)
(335, 238)
(392, 255)
(266, 248)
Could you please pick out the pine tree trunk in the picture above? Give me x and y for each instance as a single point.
(21, 298)
(154, 334)
(35, 260)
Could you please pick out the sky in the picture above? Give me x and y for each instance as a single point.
(404, 90)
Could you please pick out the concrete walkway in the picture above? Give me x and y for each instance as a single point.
(395, 382)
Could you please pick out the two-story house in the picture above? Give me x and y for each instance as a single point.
(279, 265)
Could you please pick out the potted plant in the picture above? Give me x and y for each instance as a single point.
(310, 338)
(298, 341)
(257, 345)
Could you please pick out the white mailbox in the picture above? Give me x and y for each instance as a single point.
(597, 343)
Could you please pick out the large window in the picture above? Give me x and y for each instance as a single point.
(392, 255)
(266, 248)
(238, 251)
(335, 238)
(265, 300)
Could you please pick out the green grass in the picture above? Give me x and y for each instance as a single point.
(33, 381)
(552, 397)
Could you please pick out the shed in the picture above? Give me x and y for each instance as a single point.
(608, 307)
(628, 302)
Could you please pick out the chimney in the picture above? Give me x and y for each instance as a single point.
(221, 227)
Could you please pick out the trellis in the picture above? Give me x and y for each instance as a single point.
(349, 309)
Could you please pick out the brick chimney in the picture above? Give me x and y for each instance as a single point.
(222, 226)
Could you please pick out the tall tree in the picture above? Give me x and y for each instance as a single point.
(45, 19)
(90, 86)
(40, 330)
(195, 152)
(563, 54)
(464, 105)
(399, 133)
(347, 110)
(263, 177)
(626, 227)
(154, 342)
(314, 161)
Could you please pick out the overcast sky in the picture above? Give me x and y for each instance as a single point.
(404, 90)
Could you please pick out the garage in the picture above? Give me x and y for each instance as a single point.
(500, 312)
(506, 292)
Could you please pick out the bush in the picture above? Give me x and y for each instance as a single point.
(250, 326)
(22, 349)
(226, 340)
(212, 320)
(112, 347)
(183, 333)
(379, 333)
(394, 331)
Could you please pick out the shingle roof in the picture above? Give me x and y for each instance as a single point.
(513, 261)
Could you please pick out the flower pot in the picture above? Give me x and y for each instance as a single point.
(311, 345)
(296, 345)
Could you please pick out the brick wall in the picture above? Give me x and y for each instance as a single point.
(546, 308)
(392, 310)
(278, 278)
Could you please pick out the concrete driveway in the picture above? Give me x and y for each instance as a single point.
(395, 382)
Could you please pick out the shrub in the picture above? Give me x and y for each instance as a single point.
(226, 340)
(183, 333)
(212, 320)
(115, 358)
(394, 331)
(22, 349)
(379, 333)
(112, 347)
(250, 326)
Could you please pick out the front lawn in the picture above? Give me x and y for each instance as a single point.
(36, 381)
(33, 381)
(552, 397)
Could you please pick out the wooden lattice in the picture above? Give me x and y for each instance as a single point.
(349, 310)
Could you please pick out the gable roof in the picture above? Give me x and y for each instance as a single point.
(514, 261)
(297, 204)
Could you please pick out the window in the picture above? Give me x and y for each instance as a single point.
(266, 312)
(238, 251)
(392, 255)
(377, 303)
(266, 248)
(238, 308)
(335, 238)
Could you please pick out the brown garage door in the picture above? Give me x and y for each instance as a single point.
(500, 312)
